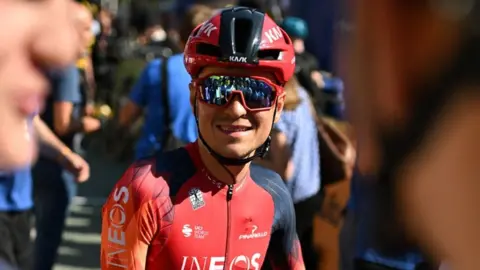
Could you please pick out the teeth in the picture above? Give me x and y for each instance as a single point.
(230, 129)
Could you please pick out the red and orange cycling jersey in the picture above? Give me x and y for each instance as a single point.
(170, 213)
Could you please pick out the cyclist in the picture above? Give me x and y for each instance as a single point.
(34, 35)
(203, 206)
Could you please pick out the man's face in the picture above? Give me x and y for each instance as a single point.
(232, 130)
(298, 45)
(35, 36)
(84, 22)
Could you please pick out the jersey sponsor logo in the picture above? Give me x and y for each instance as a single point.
(187, 231)
(198, 231)
(273, 34)
(253, 234)
(196, 198)
(117, 218)
(238, 59)
(218, 263)
(206, 29)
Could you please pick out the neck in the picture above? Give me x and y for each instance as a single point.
(219, 171)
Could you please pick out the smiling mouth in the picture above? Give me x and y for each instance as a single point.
(233, 128)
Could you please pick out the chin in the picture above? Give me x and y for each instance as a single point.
(235, 151)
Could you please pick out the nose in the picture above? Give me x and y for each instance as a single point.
(236, 109)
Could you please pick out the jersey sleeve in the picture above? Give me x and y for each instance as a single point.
(284, 251)
(132, 216)
(67, 82)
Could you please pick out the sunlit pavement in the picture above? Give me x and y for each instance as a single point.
(80, 249)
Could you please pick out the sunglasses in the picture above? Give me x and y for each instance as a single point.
(257, 94)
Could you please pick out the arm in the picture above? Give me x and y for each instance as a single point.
(280, 162)
(129, 113)
(138, 99)
(131, 217)
(50, 145)
(53, 148)
(65, 96)
(284, 251)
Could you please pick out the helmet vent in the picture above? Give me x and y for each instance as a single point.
(269, 55)
(242, 29)
(208, 49)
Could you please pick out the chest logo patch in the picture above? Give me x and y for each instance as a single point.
(196, 198)
(253, 234)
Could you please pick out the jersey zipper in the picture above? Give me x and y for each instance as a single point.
(227, 248)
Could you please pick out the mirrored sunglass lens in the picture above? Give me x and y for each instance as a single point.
(218, 89)
(213, 91)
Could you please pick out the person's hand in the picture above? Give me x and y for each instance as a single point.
(76, 165)
(91, 124)
(317, 78)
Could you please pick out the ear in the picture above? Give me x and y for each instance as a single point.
(279, 107)
(192, 95)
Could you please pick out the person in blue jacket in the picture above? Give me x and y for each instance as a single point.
(146, 96)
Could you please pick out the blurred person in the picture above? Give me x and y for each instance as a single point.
(325, 18)
(147, 94)
(154, 35)
(307, 68)
(325, 90)
(35, 36)
(203, 205)
(54, 187)
(84, 21)
(366, 254)
(16, 201)
(294, 156)
(416, 109)
(105, 58)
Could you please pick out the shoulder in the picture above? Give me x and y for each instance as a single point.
(273, 184)
(177, 57)
(270, 181)
(303, 94)
(173, 61)
(153, 65)
(161, 175)
(56, 74)
(141, 180)
(174, 168)
(176, 63)
(151, 72)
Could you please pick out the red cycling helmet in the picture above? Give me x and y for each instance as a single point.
(241, 37)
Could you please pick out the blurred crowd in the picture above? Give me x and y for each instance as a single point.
(120, 77)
